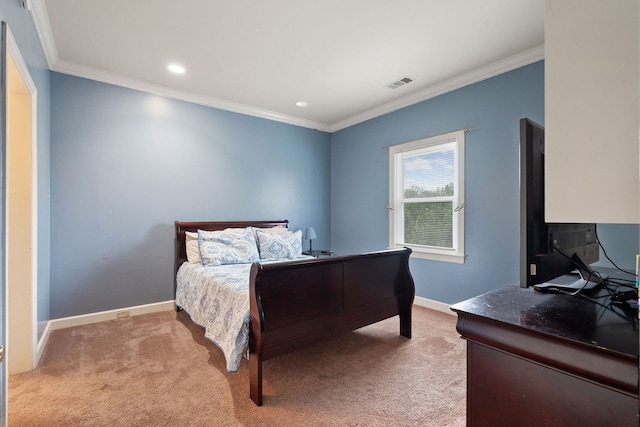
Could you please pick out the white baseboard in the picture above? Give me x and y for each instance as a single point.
(85, 319)
(42, 343)
(433, 305)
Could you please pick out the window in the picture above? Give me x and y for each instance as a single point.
(426, 195)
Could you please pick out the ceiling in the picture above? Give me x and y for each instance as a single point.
(261, 57)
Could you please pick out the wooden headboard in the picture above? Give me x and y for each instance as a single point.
(182, 227)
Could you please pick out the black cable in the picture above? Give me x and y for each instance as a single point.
(622, 282)
(607, 256)
(618, 302)
(580, 267)
(624, 309)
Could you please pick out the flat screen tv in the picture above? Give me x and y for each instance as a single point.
(547, 250)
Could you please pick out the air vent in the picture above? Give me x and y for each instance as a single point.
(403, 81)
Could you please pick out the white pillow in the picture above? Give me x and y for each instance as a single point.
(193, 250)
(230, 246)
(280, 245)
(275, 229)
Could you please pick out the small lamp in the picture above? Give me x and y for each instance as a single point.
(310, 234)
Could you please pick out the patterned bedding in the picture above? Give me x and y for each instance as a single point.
(217, 298)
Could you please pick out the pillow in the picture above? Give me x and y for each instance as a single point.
(230, 246)
(274, 229)
(274, 246)
(193, 250)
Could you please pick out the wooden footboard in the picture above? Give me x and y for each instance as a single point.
(298, 303)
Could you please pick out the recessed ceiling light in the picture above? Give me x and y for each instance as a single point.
(175, 68)
(301, 103)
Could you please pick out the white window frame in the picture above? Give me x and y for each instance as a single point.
(396, 194)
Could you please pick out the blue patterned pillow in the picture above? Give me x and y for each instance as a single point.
(279, 246)
(230, 246)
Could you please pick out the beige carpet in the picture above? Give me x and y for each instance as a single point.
(159, 370)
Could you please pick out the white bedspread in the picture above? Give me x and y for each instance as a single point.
(217, 298)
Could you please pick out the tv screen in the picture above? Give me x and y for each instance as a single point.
(547, 250)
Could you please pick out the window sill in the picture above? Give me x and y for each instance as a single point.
(418, 252)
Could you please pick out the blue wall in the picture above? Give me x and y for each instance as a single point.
(491, 109)
(126, 164)
(620, 242)
(23, 30)
(122, 165)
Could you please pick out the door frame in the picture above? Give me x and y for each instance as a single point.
(17, 307)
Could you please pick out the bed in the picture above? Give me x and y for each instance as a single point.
(293, 303)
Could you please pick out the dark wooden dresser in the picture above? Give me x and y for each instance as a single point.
(537, 359)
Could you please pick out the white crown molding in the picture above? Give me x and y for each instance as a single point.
(40, 18)
(209, 101)
(43, 28)
(516, 61)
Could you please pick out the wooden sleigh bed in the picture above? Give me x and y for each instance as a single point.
(297, 303)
